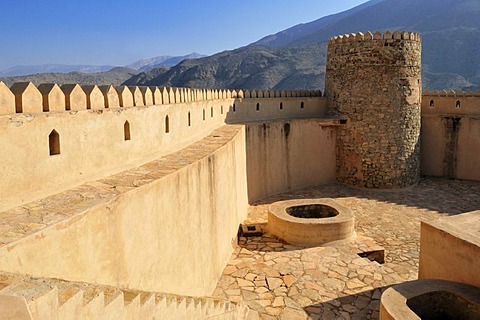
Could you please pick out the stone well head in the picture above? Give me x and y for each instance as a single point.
(310, 222)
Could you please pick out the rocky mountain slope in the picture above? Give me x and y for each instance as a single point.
(114, 76)
(451, 49)
(162, 61)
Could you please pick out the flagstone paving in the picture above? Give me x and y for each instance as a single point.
(281, 281)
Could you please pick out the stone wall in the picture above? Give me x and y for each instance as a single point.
(374, 82)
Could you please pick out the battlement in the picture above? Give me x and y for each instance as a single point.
(451, 93)
(25, 97)
(377, 36)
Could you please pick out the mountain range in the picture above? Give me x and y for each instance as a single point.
(295, 58)
(88, 74)
(291, 58)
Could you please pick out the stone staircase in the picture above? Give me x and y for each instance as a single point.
(28, 298)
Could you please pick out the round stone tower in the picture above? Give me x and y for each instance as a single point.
(374, 82)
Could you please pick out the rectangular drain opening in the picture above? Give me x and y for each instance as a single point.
(250, 230)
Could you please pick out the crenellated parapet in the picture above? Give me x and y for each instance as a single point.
(451, 102)
(25, 97)
(451, 93)
(377, 36)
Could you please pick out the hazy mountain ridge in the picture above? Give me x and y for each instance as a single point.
(162, 61)
(52, 68)
(115, 76)
(86, 75)
(451, 46)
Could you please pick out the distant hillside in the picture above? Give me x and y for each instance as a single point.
(247, 68)
(52, 68)
(114, 76)
(162, 61)
(451, 48)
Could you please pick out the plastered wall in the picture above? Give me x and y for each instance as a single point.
(97, 138)
(288, 155)
(449, 249)
(172, 235)
(451, 135)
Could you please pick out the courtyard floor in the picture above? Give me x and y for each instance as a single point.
(281, 281)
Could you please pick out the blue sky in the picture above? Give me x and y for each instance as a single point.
(119, 32)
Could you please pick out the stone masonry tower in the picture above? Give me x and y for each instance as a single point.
(374, 82)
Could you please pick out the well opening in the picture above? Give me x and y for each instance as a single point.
(312, 211)
(310, 222)
(443, 305)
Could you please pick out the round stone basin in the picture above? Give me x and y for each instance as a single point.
(310, 222)
(430, 299)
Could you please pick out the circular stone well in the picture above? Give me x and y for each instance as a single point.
(310, 222)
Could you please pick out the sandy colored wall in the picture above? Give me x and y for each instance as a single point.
(287, 155)
(450, 249)
(276, 108)
(92, 144)
(172, 235)
(451, 137)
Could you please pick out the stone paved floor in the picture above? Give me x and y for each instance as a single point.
(278, 280)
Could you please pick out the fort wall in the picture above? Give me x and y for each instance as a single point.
(51, 149)
(169, 226)
(374, 81)
(289, 154)
(451, 134)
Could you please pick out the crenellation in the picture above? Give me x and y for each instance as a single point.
(387, 35)
(147, 95)
(27, 98)
(443, 93)
(95, 98)
(7, 100)
(75, 97)
(397, 35)
(53, 97)
(110, 96)
(137, 96)
(165, 95)
(156, 95)
(125, 96)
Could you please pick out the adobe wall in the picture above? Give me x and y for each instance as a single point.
(449, 249)
(287, 155)
(92, 139)
(173, 234)
(451, 135)
(92, 144)
(374, 81)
